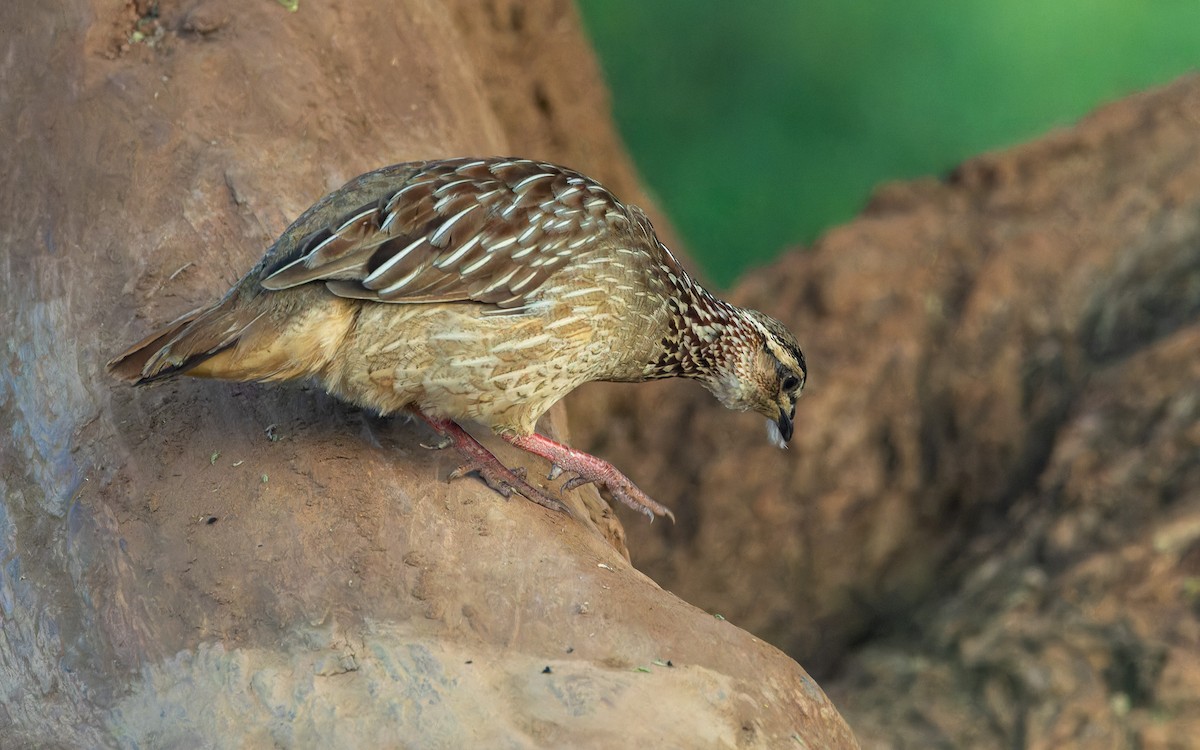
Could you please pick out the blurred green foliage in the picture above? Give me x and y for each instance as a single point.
(760, 124)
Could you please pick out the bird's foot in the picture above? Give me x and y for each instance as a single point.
(587, 468)
(505, 480)
(489, 468)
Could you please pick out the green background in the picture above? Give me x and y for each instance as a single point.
(759, 124)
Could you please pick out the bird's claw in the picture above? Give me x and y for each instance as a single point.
(574, 482)
(620, 488)
(505, 481)
(629, 494)
(490, 478)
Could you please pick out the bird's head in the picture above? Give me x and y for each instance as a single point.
(763, 371)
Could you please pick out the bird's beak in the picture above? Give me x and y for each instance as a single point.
(779, 431)
(785, 426)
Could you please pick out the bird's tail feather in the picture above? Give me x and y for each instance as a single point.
(182, 344)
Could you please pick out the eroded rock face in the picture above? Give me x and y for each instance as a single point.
(206, 564)
(1077, 624)
(988, 520)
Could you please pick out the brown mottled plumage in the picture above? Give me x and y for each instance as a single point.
(480, 290)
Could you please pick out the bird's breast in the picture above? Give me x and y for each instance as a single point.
(497, 367)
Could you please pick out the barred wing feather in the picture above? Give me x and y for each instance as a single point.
(487, 231)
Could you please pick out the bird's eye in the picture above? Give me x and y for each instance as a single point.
(790, 383)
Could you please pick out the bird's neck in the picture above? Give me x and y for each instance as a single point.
(703, 335)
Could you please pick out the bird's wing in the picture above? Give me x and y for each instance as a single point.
(483, 230)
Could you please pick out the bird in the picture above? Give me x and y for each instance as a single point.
(481, 291)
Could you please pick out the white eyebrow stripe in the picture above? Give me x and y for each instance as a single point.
(391, 262)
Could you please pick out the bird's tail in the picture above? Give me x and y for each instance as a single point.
(184, 345)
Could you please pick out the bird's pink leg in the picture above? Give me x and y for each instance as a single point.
(588, 468)
(480, 460)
